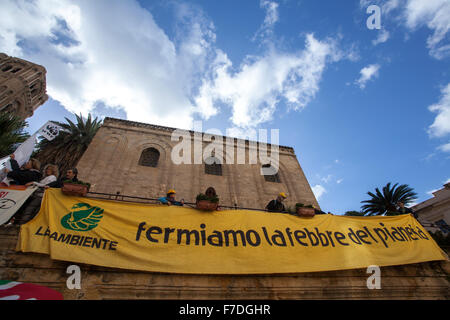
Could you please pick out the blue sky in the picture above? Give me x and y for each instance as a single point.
(361, 107)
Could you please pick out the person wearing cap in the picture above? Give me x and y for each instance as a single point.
(170, 199)
(277, 204)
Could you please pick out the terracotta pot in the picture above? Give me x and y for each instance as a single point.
(73, 189)
(305, 212)
(206, 205)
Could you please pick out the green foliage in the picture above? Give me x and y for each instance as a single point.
(11, 133)
(78, 182)
(385, 202)
(354, 213)
(67, 148)
(202, 196)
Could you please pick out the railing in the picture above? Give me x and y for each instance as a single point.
(121, 197)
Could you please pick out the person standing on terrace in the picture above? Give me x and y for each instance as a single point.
(170, 199)
(71, 175)
(277, 204)
(21, 176)
(33, 204)
(403, 210)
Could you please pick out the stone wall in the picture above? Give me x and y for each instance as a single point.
(415, 281)
(111, 165)
(22, 86)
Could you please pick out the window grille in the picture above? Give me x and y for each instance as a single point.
(149, 158)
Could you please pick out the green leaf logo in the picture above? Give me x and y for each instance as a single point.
(83, 217)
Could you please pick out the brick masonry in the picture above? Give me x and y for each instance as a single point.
(110, 164)
(22, 86)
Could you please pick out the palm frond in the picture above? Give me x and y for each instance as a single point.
(384, 202)
(68, 147)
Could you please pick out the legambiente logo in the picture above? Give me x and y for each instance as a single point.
(191, 148)
(83, 217)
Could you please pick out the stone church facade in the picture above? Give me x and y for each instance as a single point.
(134, 159)
(22, 86)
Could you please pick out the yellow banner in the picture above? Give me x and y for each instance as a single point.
(184, 240)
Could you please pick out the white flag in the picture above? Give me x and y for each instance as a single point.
(24, 151)
(50, 130)
(22, 155)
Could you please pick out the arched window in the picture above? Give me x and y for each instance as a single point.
(16, 70)
(274, 177)
(7, 68)
(149, 158)
(213, 166)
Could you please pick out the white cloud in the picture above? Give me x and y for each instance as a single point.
(367, 73)
(327, 178)
(271, 8)
(441, 124)
(390, 5)
(339, 181)
(412, 204)
(415, 14)
(447, 181)
(444, 147)
(435, 14)
(383, 36)
(254, 91)
(111, 52)
(318, 191)
(265, 31)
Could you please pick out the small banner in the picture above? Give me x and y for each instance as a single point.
(183, 240)
(11, 199)
(50, 130)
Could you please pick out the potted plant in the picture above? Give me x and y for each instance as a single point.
(75, 188)
(207, 203)
(307, 211)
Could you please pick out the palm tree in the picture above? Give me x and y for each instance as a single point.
(385, 203)
(11, 133)
(67, 148)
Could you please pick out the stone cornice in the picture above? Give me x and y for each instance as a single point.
(108, 121)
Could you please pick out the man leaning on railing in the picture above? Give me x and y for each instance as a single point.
(170, 199)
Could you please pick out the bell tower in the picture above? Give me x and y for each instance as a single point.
(22, 86)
